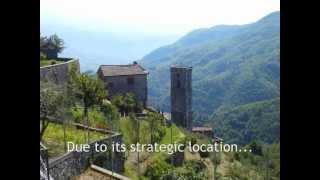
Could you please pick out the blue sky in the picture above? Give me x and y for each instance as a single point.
(153, 16)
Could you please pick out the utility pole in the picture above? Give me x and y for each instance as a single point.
(138, 141)
(171, 141)
(112, 150)
(214, 162)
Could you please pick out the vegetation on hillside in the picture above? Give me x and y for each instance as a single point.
(127, 103)
(54, 138)
(259, 121)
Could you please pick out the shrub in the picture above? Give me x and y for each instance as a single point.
(204, 154)
(157, 168)
(256, 148)
(76, 114)
(42, 56)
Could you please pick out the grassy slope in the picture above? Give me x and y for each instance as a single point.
(54, 141)
(49, 62)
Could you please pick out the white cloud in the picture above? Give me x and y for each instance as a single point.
(167, 16)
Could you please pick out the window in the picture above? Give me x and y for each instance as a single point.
(178, 80)
(110, 84)
(130, 80)
(178, 84)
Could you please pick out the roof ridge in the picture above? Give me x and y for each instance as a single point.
(117, 65)
(129, 69)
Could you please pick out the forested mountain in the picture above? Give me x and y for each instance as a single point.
(233, 65)
(257, 121)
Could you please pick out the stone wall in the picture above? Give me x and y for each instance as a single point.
(58, 73)
(120, 86)
(74, 163)
(43, 162)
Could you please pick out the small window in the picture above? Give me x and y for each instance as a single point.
(110, 85)
(178, 84)
(178, 75)
(130, 80)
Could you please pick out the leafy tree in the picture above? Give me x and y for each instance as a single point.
(157, 130)
(50, 100)
(157, 169)
(89, 90)
(118, 101)
(54, 105)
(56, 43)
(43, 41)
(129, 102)
(111, 112)
(126, 103)
(53, 43)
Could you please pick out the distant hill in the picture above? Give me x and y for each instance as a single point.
(232, 65)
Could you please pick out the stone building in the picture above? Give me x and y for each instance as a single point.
(181, 96)
(207, 131)
(120, 79)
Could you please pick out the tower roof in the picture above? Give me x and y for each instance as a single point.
(180, 67)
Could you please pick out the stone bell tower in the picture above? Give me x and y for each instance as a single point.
(181, 96)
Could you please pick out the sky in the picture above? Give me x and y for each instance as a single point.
(153, 16)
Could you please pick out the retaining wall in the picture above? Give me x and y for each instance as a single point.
(58, 73)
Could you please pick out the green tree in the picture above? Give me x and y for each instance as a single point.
(129, 102)
(54, 105)
(110, 111)
(53, 43)
(126, 103)
(89, 90)
(43, 41)
(157, 131)
(50, 103)
(56, 43)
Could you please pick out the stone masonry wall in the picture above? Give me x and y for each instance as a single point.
(74, 163)
(120, 86)
(58, 73)
(181, 96)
